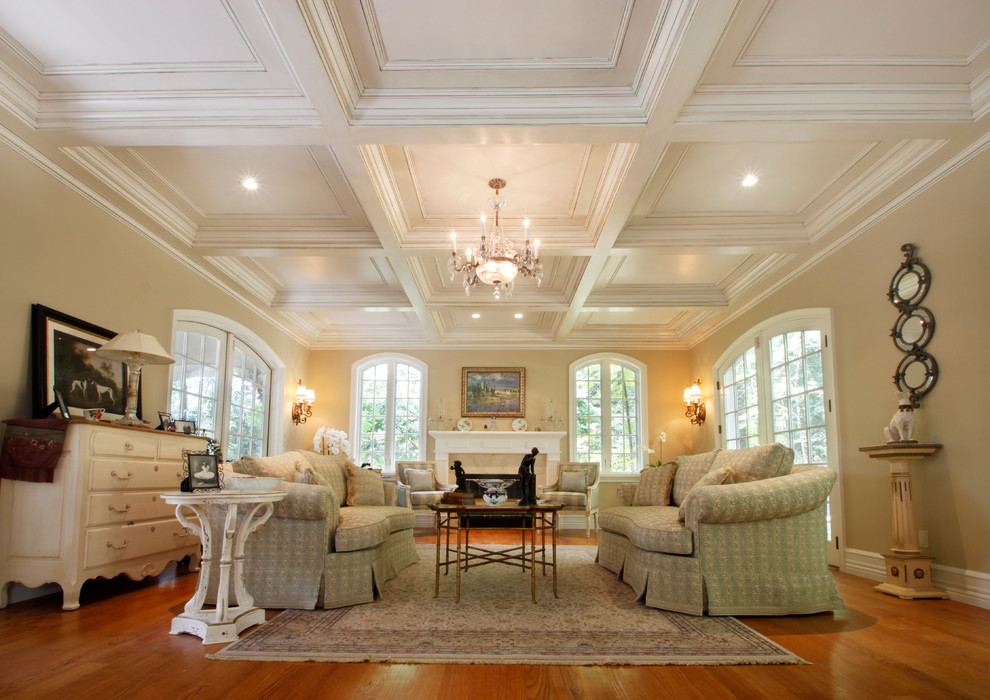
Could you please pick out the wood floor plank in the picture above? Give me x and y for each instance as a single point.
(117, 645)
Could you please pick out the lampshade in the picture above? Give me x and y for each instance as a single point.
(692, 393)
(135, 345)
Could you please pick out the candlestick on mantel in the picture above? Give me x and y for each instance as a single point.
(909, 573)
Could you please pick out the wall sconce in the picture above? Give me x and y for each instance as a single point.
(302, 407)
(695, 408)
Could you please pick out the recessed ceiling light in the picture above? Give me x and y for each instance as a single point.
(750, 180)
(475, 315)
(249, 183)
(518, 315)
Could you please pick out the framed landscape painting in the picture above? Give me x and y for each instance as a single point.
(493, 391)
(62, 357)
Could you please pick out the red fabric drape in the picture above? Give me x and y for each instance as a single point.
(31, 449)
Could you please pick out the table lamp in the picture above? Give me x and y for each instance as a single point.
(135, 350)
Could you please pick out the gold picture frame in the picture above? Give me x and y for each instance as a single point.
(493, 391)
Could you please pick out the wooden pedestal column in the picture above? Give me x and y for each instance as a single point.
(909, 573)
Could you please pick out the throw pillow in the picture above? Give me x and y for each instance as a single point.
(305, 474)
(655, 485)
(364, 487)
(690, 468)
(420, 479)
(574, 480)
(757, 463)
(719, 475)
(283, 465)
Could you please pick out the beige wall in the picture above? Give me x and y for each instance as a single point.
(546, 378)
(950, 225)
(61, 251)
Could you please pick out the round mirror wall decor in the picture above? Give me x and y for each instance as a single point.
(917, 371)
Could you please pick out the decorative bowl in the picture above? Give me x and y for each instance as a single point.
(494, 494)
(253, 484)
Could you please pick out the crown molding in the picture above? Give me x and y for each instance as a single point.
(375, 159)
(895, 164)
(980, 91)
(284, 239)
(655, 296)
(730, 235)
(340, 297)
(247, 275)
(112, 172)
(852, 103)
(665, 41)
(327, 31)
(19, 97)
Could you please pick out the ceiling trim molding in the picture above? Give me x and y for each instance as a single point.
(58, 173)
(19, 97)
(729, 235)
(853, 103)
(306, 321)
(327, 31)
(375, 157)
(112, 172)
(666, 37)
(754, 274)
(147, 109)
(245, 273)
(980, 90)
(284, 239)
(617, 164)
(655, 296)
(491, 64)
(340, 297)
(894, 165)
(971, 151)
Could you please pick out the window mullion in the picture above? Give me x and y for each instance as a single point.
(764, 399)
(606, 375)
(224, 376)
(390, 417)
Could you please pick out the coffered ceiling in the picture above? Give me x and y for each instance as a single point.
(623, 127)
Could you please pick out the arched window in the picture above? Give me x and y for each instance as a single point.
(775, 384)
(389, 400)
(608, 412)
(228, 381)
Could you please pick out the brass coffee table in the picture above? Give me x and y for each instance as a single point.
(454, 519)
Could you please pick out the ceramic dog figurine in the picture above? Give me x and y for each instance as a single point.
(901, 428)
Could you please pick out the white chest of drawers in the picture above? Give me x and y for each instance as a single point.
(102, 516)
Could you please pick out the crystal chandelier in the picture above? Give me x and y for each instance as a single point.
(495, 261)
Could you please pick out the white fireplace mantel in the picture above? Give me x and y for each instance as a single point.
(448, 442)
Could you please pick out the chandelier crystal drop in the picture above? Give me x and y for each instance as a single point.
(495, 261)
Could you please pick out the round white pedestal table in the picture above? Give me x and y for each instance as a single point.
(228, 618)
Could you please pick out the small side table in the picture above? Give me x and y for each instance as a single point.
(225, 622)
(909, 573)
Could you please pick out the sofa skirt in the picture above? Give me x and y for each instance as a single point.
(351, 578)
(667, 581)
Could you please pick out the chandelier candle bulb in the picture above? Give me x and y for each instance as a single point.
(526, 226)
(482, 225)
(453, 242)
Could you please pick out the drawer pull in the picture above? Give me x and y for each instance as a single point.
(115, 509)
(184, 532)
(111, 545)
(128, 445)
(115, 475)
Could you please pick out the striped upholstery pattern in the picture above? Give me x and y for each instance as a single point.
(572, 500)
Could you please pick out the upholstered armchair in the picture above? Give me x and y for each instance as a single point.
(418, 484)
(577, 488)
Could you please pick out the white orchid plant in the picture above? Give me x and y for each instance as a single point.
(329, 441)
(647, 450)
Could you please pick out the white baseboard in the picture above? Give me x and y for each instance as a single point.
(970, 587)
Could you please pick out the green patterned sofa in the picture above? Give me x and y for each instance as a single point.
(753, 545)
(317, 551)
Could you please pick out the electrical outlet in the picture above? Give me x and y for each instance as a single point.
(923, 539)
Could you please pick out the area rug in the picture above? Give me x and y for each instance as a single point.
(595, 621)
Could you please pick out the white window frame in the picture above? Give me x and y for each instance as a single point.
(605, 472)
(758, 337)
(277, 401)
(357, 369)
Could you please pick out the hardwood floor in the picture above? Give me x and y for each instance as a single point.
(117, 645)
